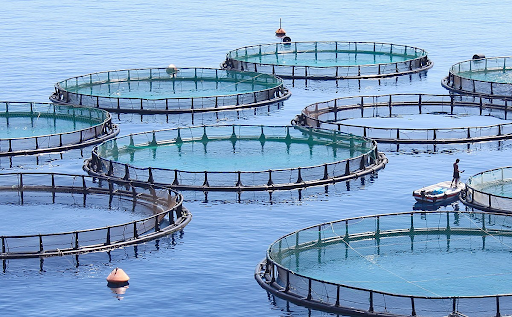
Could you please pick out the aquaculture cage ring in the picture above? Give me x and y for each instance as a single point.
(481, 76)
(236, 158)
(392, 118)
(490, 190)
(171, 90)
(34, 128)
(420, 263)
(329, 60)
(167, 214)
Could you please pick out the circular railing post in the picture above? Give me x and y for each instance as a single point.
(157, 225)
(76, 240)
(370, 309)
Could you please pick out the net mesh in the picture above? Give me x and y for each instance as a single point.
(163, 205)
(61, 127)
(156, 90)
(490, 190)
(329, 60)
(384, 235)
(364, 158)
(333, 114)
(487, 76)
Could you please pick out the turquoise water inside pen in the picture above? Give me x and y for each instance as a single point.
(397, 265)
(498, 188)
(162, 89)
(243, 155)
(208, 269)
(326, 59)
(428, 121)
(30, 126)
(52, 218)
(495, 76)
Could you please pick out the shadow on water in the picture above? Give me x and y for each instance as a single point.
(73, 264)
(282, 196)
(200, 118)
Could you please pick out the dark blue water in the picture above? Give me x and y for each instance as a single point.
(208, 269)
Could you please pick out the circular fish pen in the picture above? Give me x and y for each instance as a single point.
(171, 90)
(401, 264)
(32, 128)
(393, 118)
(45, 192)
(490, 190)
(482, 76)
(329, 60)
(237, 157)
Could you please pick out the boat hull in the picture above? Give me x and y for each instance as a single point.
(439, 192)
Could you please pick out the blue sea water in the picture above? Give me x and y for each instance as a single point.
(208, 269)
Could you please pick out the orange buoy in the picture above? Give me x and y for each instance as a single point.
(280, 31)
(117, 276)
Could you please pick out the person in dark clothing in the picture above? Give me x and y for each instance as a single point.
(456, 173)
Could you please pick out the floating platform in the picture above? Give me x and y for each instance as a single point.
(490, 190)
(329, 60)
(419, 263)
(393, 118)
(171, 90)
(481, 76)
(161, 208)
(29, 128)
(237, 157)
(440, 192)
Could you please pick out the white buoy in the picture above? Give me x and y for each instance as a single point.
(171, 69)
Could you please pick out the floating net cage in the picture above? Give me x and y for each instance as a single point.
(329, 60)
(237, 157)
(171, 90)
(477, 118)
(401, 264)
(490, 190)
(167, 215)
(32, 128)
(486, 76)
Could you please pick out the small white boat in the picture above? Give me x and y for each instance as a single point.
(438, 192)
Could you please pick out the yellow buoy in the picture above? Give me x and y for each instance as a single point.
(117, 276)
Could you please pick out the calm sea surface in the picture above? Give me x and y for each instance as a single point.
(208, 269)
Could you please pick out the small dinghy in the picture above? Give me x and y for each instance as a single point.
(438, 192)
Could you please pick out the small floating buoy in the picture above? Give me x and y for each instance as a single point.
(478, 56)
(117, 276)
(171, 69)
(287, 39)
(280, 31)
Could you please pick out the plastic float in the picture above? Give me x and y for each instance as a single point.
(280, 32)
(117, 276)
(440, 192)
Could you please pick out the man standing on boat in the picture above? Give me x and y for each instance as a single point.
(456, 173)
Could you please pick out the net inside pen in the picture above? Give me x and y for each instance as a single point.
(488, 76)
(252, 156)
(38, 127)
(491, 189)
(160, 212)
(339, 114)
(170, 89)
(424, 263)
(329, 60)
